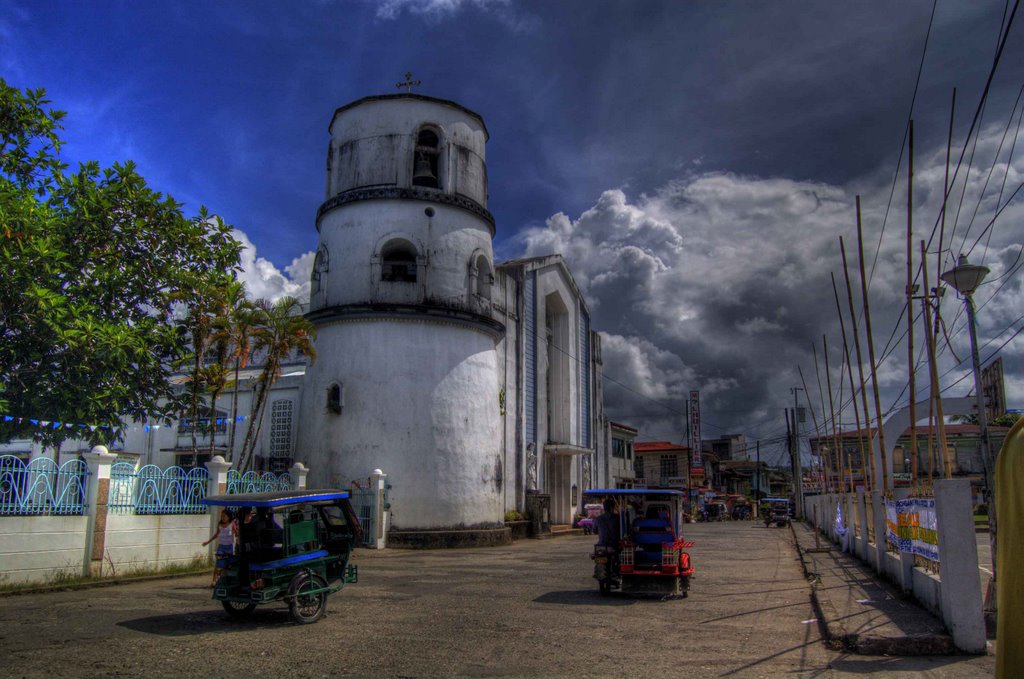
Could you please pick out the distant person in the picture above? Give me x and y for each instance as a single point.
(225, 535)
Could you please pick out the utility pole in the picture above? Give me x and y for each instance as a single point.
(757, 480)
(798, 463)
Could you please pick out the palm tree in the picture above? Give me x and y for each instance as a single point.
(281, 331)
(197, 323)
(229, 304)
(242, 319)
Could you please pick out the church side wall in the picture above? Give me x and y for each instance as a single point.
(421, 403)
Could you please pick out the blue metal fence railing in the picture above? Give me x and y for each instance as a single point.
(256, 482)
(41, 487)
(152, 490)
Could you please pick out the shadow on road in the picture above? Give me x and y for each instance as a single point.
(584, 597)
(206, 622)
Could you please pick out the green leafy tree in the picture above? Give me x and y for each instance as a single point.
(92, 266)
(281, 332)
(1004, 420)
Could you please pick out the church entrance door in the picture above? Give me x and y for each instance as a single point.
(558, 481)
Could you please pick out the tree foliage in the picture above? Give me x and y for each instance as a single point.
(93, 265)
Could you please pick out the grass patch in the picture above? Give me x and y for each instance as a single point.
(67, 580)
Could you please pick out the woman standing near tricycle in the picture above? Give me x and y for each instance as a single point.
(225, 535)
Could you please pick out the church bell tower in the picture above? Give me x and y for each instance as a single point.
(406, 376)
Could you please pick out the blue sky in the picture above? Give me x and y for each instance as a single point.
(662, 142)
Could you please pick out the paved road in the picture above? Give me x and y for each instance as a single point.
(530, 609)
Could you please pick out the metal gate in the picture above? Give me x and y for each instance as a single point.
(371, 506)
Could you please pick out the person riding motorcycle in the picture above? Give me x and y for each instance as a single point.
(607, 525)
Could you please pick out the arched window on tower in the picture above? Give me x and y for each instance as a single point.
(484, 277)
(425, 159)
(398, 261)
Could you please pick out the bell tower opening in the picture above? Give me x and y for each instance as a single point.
(398, 261)
(425, 159)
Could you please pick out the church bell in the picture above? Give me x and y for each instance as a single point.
(423, 175)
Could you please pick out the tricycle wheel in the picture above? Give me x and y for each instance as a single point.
(307, 608)
(239, 609)
(605, 587)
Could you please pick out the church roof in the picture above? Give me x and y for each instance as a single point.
(417, 97)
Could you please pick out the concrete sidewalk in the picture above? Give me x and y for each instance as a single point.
(860, 612)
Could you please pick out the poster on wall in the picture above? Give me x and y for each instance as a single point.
(912, 527)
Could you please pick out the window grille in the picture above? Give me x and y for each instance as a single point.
(669, 466)
(280, 428)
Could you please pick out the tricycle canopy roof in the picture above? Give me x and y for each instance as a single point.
(634, 491)
(279, 498)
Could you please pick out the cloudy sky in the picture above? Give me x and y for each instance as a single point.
(694, 162)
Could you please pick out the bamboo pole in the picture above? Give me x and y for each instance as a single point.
(836, 449)
(814, 418)
(933, 370)
(871, 352)
(911, 368)
(821, 396)
(853, 389)
(868, 483)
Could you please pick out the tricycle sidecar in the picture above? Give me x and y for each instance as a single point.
(294, 547)
(651, 556)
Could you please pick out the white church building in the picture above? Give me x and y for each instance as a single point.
(473, 385)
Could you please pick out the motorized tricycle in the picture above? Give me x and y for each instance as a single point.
(776, 512)
(294, 547)
(650, 557)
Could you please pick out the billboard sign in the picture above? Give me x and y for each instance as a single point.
(695, 429)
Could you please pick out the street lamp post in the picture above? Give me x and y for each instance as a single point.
(965, 279)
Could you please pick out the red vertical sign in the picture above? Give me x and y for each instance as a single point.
(695, 428)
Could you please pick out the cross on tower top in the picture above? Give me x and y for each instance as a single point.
(409, 82)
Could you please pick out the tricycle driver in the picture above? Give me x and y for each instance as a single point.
(607, 525)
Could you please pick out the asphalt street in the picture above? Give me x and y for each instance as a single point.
(529, 609)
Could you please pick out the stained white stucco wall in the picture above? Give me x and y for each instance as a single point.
(421, 403)
(134, 542)
(40, 548)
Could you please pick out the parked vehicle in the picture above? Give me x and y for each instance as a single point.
(776, 512)
(741, 513)
(590, 512)
(296, 550)
(651, 556)
(716, 511)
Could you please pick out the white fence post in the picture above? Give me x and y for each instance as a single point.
(862, 519)
(960, 585)
(378, 480)
(298, 474)
(97, 490)
(878, 510)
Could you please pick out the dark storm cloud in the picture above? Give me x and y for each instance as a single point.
(720, 282)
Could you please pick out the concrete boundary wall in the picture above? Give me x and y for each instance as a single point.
(136, 542)
(41, 548)
(954, 596)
